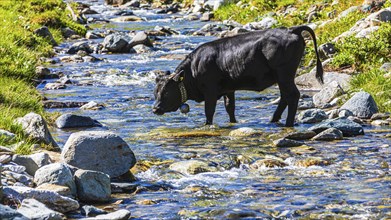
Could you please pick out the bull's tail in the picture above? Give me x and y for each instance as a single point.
(319, 69)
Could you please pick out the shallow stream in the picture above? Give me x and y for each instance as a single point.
(354, 183)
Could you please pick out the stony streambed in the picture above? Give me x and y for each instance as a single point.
(186, 170)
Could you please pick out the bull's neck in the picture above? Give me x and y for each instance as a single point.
(189, 84)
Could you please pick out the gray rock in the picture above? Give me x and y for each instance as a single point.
(207, 16)
(381, 116)
(36, 210)
(284, 142)
(140, 38)
(127, 18)
(123, 187)
(7, 213)
(326, 50)
(309, 81)
(344, 113)
(192, 167)
(62, 190)
(92, 106)
(143, 49)
(265, 23)
(362, 105)
(54, 86)
(36, 128)
(330, 134)
(14, 168)
(133, 3)
(51, 199)
(92, 35)
(348, 11)
(100, 151)
(44, 73)
(92, 186)
(303, 105)
(26, 180)
(301, 135)
(327, 94)
(6, 135)
(121, 214)
(5, 158)
(312, 116)
(67, 32)
(32, 162)
(80, 46)
(243, 132)
(116, 2)
(386, 67)
(383, 15)
(233, 32)
(367, 32)
(45, 33)
(117, 43)
(89, 210)
(55, 173)
(75, 121)
(348, 127)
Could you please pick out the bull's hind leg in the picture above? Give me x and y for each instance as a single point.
(229, 102)
(289, 91)
(280, 109)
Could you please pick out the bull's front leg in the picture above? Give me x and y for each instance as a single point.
(229, 102)
(210, 107)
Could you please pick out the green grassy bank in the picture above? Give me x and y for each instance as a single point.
(364, 56)
(20, 50)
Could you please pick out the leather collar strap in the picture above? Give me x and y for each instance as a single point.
(183, 92)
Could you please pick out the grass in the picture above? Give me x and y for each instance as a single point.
(363, 55)
(20, 50)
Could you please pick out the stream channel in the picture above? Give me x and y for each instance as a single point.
(355, 182)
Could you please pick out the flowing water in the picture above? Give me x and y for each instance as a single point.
(354, 183)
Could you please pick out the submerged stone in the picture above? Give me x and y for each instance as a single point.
(192, 167)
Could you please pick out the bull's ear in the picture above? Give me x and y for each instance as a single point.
(178, 77)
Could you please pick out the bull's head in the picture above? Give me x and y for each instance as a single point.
(170, 93)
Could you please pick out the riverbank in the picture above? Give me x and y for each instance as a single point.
(21, 48)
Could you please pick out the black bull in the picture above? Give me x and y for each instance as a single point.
(252, 61)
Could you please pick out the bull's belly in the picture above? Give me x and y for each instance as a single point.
(249, 83)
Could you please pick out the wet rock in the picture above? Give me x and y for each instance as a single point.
(356, 120)
(312, 116)
(56, 173)
(45, 33)
(121, 214)
(57, 104)
(133, 3)
(140, 38)
(303, 105)
(268, 163)
(380, 122)
(207, 16)
(92, 106)
(127, 18)
(191, 17)
(6, 135)
(92, 186)
(327, 94)
(7, 212)
(192, 167)
(348, 127)
(123, 187)
(62, 190)
(80, 46)
(116, 2)
(5, 158)
(301, 135)
(307, 161)
(32, 162)
(381, 116)
(143, 49)
(284, 142)
(89, 210)
(243, 132)
(34, 209)
(92, 35)
(54, 86)
(50, 199)
(362, 105)
(117, 43)
(75, 121)
(330, 134)
(36, 128)
(100, 151)
(265, 23)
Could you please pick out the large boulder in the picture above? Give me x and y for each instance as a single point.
(312, 116)
(51, 199)
(92, 186)
(75, 121)
(362, 105)
(7, 212)
(100, 151)
(36, 128)
(55, 173)
(117, 43)
(348, 127)
(34, 209)
(32, 162)
(327, 94)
